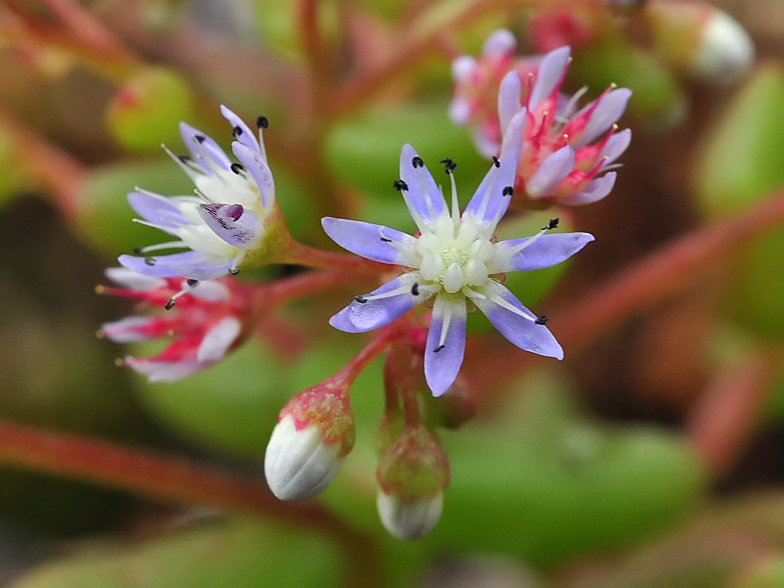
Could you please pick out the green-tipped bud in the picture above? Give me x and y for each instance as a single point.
(412, 476)
(700, 39)
(145, 111)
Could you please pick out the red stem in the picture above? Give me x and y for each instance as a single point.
(376, 347)
(655, 278)
(299, 254)
(729, 412)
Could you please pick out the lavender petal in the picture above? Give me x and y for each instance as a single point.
(520, 331)
(491, 199)
(544, 252)
(157, 209)
(246, 136)
(442, 366)
(595, 191)
(607, 112)
(359, 317)
(259, 171)
(509, 98)
(368, 240)
(164, 371)
(219, 339)
(422, 189)
(551, 172)
(551, 73)
(189, 264)
(240, 232)
(616, 146)
(133, 280)
(203, 148)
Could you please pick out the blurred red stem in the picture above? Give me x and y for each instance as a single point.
(651, 280)
(60, 173)
(299, 254)
(729, 412)
(174, 479)
(372, 350)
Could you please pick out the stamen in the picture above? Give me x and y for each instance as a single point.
(527, 243)
(455, 203)
(189, 285)
(400, 185)
(199, 138)
(495, 161)
(192, 174)
(184, 158)
(444, 328)
(262, 122)
(553, 224)
(360, 299)
(149, 261)
(449, 165)
(386, 239)
(542, 320)
(506, 305)
(414, 214)
(415, 289)
(507, 191)
(233, 271)
(237, 168)
(417, 162)
(236, 131)
(159, 246)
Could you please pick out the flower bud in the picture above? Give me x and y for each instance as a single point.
(409, 521)
(412, 476)
(315, 432)
(700, 38)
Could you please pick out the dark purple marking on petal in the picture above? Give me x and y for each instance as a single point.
(236, 226)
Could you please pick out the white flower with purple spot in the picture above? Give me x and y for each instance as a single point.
(454, 259)
(224, 224)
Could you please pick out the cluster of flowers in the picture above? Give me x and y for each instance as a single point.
(544, 150)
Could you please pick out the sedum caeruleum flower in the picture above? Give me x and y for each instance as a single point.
(567, 153)
(453, 260)
(230, 222)
(209, 321)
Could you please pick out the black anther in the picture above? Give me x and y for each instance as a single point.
(360, 299)
(386, 240)
(542, 320)
(262, 122)
(551, 225)
(439, 348)
(234, 271)
(415, 289)
(138, 250)
(237, 168)
(149, 261)
(236, 131)
(400, 185)
(184, 158)
(449, 164)
(508, 191)
(191, 282)
(170, 304)
(496, 162)
(417, 162)
(200, 138)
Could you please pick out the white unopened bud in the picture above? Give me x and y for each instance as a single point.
(409, 521)
(726, 50)
(700, 39)
(297, 464)
(315, 432)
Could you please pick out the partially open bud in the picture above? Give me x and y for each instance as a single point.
(315, 432)
(700, 38)
(412, 476)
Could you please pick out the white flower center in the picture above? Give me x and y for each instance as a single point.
(454, 255)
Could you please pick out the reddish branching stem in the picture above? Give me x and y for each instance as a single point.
(386, 336)
(653, 279)
(731, 409)
(299, 254)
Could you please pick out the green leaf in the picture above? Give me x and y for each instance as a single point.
(232, 406)
(241, 553)
(741, 158)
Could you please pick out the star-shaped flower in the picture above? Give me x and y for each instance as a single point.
(454, 259)
(224, 225)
